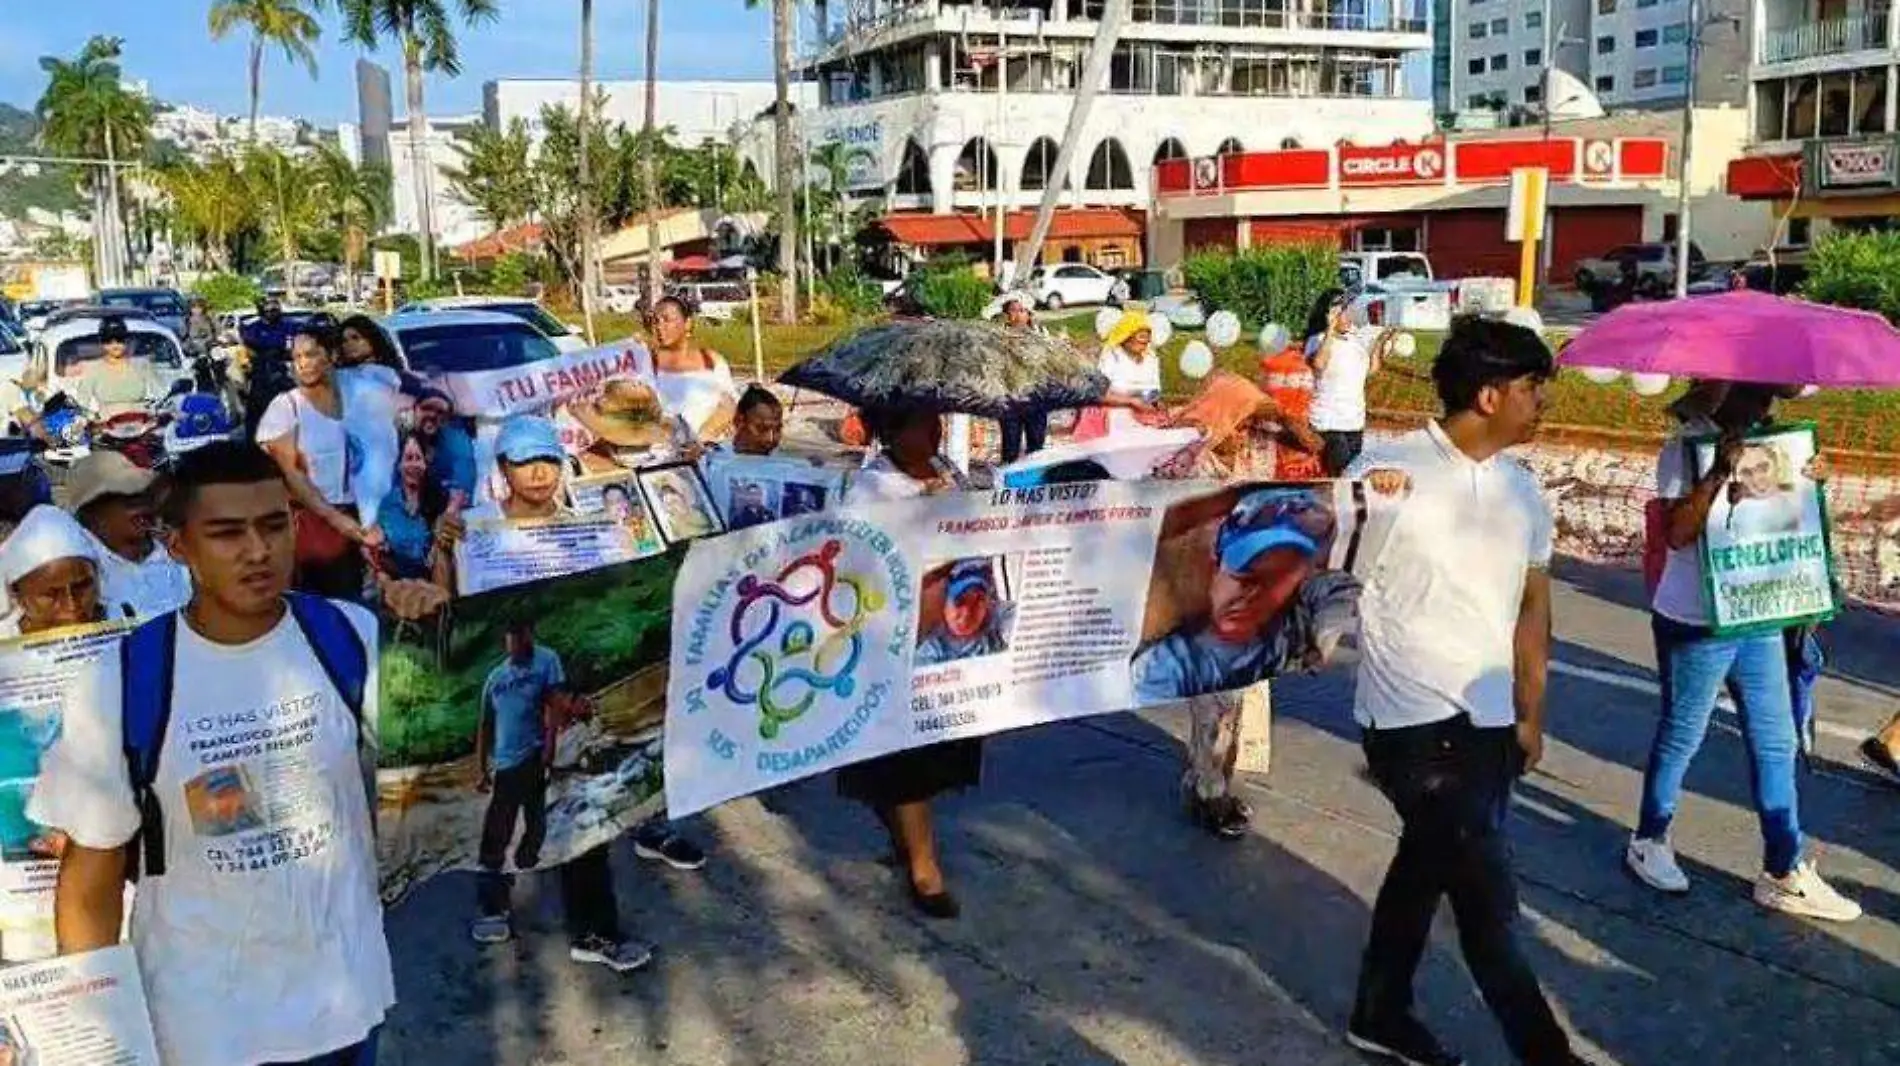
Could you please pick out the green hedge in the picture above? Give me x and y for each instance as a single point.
(1271, 283)
(957, 293)
(228, 292)
(1856, 270)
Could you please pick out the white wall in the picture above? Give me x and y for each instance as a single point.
(697, 110)
(454, 221)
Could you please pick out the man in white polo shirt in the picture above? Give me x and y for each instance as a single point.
(1455, 644)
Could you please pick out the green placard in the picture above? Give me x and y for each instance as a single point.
(1767, 548)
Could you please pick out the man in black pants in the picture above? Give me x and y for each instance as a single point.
(1455, 651)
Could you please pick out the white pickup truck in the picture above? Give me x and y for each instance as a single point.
(1397, 289)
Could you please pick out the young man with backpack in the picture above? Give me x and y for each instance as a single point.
(219, 759)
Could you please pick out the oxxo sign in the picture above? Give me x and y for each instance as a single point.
(1391, 165)
(1870, 166)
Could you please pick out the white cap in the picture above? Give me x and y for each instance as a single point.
(46, 535)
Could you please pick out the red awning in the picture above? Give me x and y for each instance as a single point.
(691, 264)
(924, 231)
(1765, 177)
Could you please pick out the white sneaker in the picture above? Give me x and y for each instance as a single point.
(619, 956)
(1803, 893)
(1654, 864)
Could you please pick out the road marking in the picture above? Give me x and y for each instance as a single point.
(1632, 683)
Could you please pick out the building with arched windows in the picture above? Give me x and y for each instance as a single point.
(955, 111)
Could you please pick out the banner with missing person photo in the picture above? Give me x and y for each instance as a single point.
(823, 640)
(1766, 558)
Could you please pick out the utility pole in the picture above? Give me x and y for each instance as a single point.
(1002, 97)
(1101, 51)
(1687, 152)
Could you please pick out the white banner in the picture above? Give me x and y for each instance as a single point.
(34, 672)
(820, 641)
(79, 1010)
(539, 386)
(496, 553)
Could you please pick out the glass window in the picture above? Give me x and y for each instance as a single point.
(1647, 3)
(1533, 94)
(1475, 66)
(1533, 57)
(1837, 104)
(1478, 101)
(1645, 78)
(1646, 38)
(1870, 101)
(1500, 62)
(1803, 96)
(1606, 7)
(1606, 83)
(1477, 31)
(1500, 27)
(1675, 74)
(1675, 33)
(1605, 45)
(1800, 231)
(1771, 99)
(1534, 20)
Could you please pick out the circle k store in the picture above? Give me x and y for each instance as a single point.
(1446, 199)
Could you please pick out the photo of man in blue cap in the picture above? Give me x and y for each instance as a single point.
(975, 620)
(1269, 608)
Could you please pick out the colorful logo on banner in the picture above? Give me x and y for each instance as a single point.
(781, 662)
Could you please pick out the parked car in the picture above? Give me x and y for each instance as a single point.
(164, 305)
(1404, 303)
(1361, 268)
(1781, 277)
(1074, 284)
(565, 337)
(1655, 264)
(33, 314)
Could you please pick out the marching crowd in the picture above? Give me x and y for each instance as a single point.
(248, 564)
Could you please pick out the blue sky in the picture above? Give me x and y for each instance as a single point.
(167, 45)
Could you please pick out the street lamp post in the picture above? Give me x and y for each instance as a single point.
(1687, 152)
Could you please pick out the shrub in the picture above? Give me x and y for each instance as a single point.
(954, 293)
(1272, 283)
(1859, 270)
(851, 293)
(510, 274)
(427, 290)
(228, 292)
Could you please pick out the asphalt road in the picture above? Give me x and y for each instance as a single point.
(1100, 928)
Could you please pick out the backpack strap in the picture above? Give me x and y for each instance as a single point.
(338, 647)
(146, 658)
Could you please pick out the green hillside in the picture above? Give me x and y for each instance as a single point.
(52, 189)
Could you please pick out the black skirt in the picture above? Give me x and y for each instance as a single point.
(914, 776)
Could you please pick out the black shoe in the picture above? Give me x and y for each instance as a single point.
(1876, 755)
(670, 848)
(941, 905)
(1226, 817)
(1403, 1040)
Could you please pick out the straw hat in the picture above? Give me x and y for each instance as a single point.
(626, 414)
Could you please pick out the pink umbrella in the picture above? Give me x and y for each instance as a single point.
(1744, 336)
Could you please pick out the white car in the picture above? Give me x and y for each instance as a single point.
(63, 349)
(565, 337)
(1072, 284)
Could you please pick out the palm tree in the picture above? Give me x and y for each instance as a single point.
(358, 200)
(86, 112)
(289, 200)
(288, 24)
(590, 280)
(425, 32)
(650, 164)
(211, 203)
(784, 161)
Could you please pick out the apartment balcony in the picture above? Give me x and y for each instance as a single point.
(1814, 40)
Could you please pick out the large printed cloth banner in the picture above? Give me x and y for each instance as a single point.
(541, 385)
(34, 676)
(824, 640)
(520, 727)
(1765, 553)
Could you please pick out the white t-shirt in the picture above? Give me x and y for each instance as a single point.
(880, 480)
(1438, 618)
(263, 940)
(1339, 396)
(1129, 376)
(150, 587)
(321, 440)
(1681, 595)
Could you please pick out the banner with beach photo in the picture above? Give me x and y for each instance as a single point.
(1765, 550)
(823, 640)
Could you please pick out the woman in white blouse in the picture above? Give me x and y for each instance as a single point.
(899, 787)
(694, 382)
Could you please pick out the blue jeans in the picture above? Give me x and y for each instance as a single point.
(1695, 666)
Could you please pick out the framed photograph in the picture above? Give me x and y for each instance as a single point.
(617, 495)
(752, 490)
(1767, 552)
(680, 502)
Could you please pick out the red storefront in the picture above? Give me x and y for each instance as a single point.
(1446, 199)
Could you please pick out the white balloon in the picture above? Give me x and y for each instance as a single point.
(1649, 384)
(1223, 329)
(1161, 329)
(1197, 360)
(1807, 391)
(1105, 320)
(1273, 337)
(1526, 317)
(1404, 346)
(1601, 375)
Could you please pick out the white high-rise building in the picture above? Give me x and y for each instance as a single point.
(454, 221)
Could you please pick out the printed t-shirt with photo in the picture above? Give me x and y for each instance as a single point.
(263, 940)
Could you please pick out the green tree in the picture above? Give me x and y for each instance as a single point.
(784, 157)
(496, 177)
(424, 30)
(557, 184)
(210, 203)
(290, 202)
(290, 25)
(86, 111)
(356, 199)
